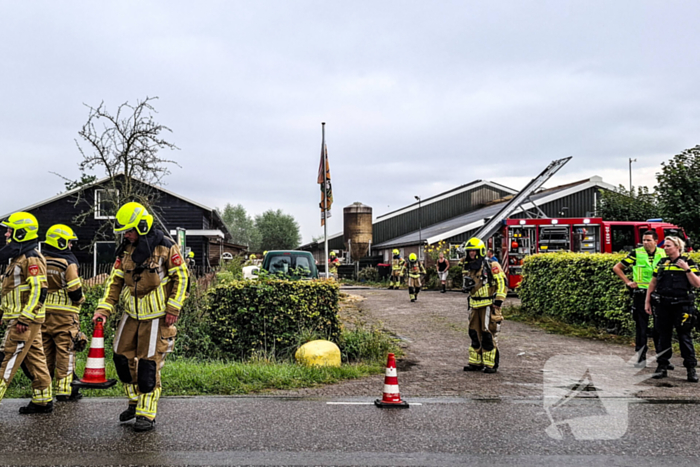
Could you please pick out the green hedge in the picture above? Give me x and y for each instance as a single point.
(271, 316)
(578, 288)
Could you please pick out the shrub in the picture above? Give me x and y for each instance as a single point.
(269, 315)
(577, 288)
(368, 274)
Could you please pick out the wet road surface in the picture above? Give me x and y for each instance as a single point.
(318, 431)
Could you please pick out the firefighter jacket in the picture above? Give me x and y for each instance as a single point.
(65, 289)
(672, 281)
(415, 269)
(24, 288)
(643, 265)
(149, 289)
(490, 282)
(397, 263)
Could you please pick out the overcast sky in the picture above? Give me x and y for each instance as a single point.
(419, 97)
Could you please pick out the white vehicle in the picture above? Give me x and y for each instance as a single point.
(248, 272)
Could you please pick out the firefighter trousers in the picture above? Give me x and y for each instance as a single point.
(25, 348)
(58, 332)
(483, 332)
(140, 348)
(396, 278)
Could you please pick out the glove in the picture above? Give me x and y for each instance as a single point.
(498, 303)
(80, 342)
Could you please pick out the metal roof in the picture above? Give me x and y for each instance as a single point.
(475, 219)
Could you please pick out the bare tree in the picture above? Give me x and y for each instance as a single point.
(125, 146)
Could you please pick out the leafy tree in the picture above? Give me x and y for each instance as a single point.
(242, 226)
(623, 205)
(679, 190)
(279, 231)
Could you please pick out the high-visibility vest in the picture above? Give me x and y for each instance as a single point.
(643, 270)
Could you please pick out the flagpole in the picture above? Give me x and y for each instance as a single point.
(325, 194)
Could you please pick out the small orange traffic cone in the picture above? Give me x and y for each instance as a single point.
(94, 377)
(391, 396)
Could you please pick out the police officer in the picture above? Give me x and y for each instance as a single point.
(61, 330)
(486, 284)
(643, 261)
(333, 263)
(154, 276)
(24, 292)
(673, 281)
(397, 264)
(415, 269)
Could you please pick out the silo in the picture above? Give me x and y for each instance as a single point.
(357, 230)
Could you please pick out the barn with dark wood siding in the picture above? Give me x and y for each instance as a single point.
(206, 233)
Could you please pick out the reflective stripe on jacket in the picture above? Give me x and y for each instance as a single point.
(62, 278)
(24, 289)
(486, 293)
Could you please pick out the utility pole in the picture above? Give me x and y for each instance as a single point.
(420, 226)
(631, 160)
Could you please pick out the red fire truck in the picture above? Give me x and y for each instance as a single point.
(522, 237)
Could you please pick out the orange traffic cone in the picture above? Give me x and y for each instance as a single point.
(94, 377)
(391, 396)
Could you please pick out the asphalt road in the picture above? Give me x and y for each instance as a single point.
(317, 431)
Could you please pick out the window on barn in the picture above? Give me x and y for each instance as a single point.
(106, 203)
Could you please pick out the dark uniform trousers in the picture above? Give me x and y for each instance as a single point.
(667, 317)
(641, 321)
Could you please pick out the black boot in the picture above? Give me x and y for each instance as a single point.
(474, 368)
(128, 414)
(33, 408)
(443, 289)
(661, 372)
(670, 367)
(144, 424)
(489, 370)
(74, 396)
(692, 375)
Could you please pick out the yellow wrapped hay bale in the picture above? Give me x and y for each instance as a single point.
(318, 353)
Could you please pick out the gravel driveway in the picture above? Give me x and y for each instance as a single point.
(434, 333)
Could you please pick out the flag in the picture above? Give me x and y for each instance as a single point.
(324, 180)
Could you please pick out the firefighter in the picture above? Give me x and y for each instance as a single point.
(643, 260)
(333, 263)
(250, 262)
(24, 290)
(415, 269)
(397, 264)
(671, 286)
(61, 331)
(486, 285)
(151, 271)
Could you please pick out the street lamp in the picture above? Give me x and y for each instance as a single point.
(631, 160)
(420, 227)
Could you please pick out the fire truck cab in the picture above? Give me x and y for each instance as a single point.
(523, 237)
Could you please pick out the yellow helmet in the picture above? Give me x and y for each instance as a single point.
(332, 253)
(133, 216)
(412, 257)
(395, 252)
(190, 254)
(252, 257)
(264, 252)
(24, 226)
(476, 245)
(59, 236)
